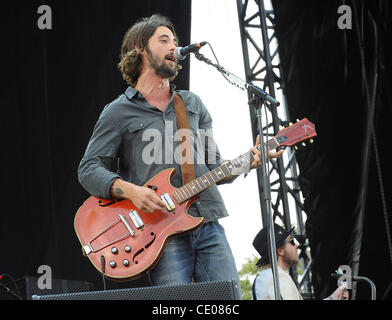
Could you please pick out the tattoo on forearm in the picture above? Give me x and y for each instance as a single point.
(118, 191)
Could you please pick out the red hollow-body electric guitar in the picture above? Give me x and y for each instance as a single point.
(124, 242)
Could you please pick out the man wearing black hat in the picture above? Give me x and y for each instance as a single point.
(286, 256)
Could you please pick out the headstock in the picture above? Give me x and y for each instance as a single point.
(296, 134)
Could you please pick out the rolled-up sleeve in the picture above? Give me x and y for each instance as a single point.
(94, 172)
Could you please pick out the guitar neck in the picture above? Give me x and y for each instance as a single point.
(205, 181)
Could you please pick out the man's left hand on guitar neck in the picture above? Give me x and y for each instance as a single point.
(257, 162)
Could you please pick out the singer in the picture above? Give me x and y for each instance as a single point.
(148, 65)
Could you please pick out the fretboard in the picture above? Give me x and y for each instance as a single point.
(205, 181)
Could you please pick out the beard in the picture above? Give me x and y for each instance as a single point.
(292, 259)
(161, 69)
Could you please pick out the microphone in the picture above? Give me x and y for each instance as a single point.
(181, 53)
(300, 237)
(338, 273)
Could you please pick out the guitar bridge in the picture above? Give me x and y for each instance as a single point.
(168, 201)
(87, 249)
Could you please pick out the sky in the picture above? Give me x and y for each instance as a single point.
(217, 22)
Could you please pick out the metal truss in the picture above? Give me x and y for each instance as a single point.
(263, 68)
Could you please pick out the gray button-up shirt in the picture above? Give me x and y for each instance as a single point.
(134, 141)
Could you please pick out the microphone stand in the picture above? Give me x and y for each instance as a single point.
(339, 273)
(262, 96)
(370, 282)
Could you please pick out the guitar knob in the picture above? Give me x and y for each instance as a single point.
(112, 264)
(127, 249)
(114, 250)
(126, 262)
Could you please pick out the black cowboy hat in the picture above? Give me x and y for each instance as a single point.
(260, 243)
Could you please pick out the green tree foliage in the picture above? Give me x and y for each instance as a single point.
(247, 274)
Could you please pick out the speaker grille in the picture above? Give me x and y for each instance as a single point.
(217, 290)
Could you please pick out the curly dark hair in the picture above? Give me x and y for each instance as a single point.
(138, 35)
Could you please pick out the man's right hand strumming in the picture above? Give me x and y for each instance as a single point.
(143, 198)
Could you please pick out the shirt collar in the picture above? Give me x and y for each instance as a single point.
(131, 91)
(286, 271)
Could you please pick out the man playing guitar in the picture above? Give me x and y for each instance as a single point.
(148, 65)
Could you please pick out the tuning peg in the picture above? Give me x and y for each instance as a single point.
(295, 147)
(303, 144)
(297, 120)
(290, 124)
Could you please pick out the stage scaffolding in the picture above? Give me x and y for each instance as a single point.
(262, 68)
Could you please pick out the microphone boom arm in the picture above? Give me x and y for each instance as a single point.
(262, 97)
(234, 80)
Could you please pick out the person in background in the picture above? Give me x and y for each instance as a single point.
(286, 256)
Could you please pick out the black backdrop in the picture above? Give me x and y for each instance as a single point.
(326, 80)
(55, 84)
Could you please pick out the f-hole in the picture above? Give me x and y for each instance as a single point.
(152, 241)
(146, 247)
(109, 203)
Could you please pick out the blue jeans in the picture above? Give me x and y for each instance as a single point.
(200, 256)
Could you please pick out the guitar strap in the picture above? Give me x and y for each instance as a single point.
(187, 168)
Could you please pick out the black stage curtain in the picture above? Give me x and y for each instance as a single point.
(55, 84)
(330, 76)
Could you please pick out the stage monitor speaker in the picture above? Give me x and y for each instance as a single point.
(58, 286)
(216, 290)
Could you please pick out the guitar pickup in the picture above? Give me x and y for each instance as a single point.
(168, 201)
(137, 220)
